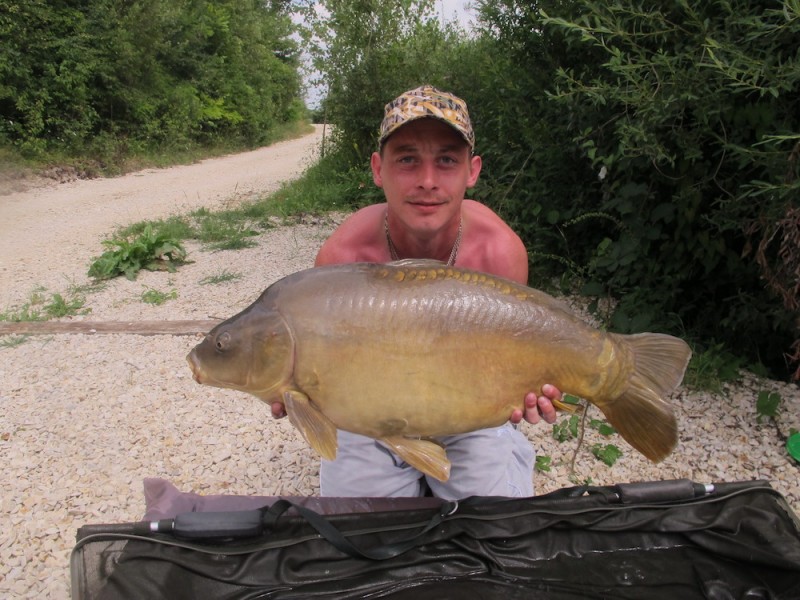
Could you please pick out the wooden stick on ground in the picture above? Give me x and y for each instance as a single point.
(202, 326)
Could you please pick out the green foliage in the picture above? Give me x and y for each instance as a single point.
(63, 307)
(368, 52)
(602, 427)
(41, 308)
(607, 453)
(328, 185)
(653, 152)
(567, 429)
(711, 367)
(220, 235)
(112, 77)
(767, 405)
(129, 255)
(175, 228)
(543, 464)
(222, 277)
(157, 297)
(12, 341)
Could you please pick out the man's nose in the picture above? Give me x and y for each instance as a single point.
(427, 175)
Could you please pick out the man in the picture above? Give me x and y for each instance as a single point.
(424, 165)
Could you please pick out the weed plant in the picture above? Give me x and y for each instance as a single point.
(40, 307)
(151, 250)
(157, 297)
(12, 341)
(712, 367)
(571, 428)
(223, 277)
(767, 405)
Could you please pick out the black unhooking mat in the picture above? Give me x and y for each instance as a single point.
(655, 540)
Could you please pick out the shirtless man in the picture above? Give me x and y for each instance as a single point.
(424, 164)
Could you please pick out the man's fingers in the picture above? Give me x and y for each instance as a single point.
(550, 391)
(278, 410)
(532, 408)
(546, 409)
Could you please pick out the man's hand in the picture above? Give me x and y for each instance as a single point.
(538, 408)
(278, 410)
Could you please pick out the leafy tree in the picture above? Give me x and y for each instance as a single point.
(107, 75)
(366, 53)
(46, 61)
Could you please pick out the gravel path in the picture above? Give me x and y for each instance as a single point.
(85, 418)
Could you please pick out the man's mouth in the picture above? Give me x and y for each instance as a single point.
(426, 203)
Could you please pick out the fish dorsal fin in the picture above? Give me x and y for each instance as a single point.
(418, 263)
(424, 455)
(319, 430)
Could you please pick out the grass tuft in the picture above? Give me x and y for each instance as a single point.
(223, 277)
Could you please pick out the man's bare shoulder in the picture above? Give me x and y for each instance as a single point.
(358, 239)
(493, 246)
(364, 218)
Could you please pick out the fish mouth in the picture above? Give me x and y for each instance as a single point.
(197, 374)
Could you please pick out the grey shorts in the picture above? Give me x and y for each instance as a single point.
(489, 462)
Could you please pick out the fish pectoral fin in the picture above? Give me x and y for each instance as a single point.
(319, 430)
(424, 455)
(567, 407)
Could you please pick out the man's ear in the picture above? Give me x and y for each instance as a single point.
(375, 163)
(475, 164)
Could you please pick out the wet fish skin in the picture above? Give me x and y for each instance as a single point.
(413, 349)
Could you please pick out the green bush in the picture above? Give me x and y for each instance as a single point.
(107, 77)
(128, 255)
(651, 153)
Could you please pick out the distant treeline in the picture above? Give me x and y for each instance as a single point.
(648, 153)
(110, 76)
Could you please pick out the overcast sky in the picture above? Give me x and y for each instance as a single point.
(456, 9)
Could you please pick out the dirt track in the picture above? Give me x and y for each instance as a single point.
(41, 224)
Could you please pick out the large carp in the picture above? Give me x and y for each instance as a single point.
(412, 350)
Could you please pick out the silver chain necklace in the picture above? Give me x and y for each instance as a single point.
(393, 249)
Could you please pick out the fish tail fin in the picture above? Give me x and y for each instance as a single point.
(640, 414)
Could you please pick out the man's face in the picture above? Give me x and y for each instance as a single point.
(425, 169)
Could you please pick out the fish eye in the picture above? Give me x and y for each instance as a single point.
(223, 340)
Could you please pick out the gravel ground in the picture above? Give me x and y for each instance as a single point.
(85, 418)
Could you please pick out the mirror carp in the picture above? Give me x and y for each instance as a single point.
(408, 351)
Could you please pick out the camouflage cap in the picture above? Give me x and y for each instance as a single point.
(427, 101)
